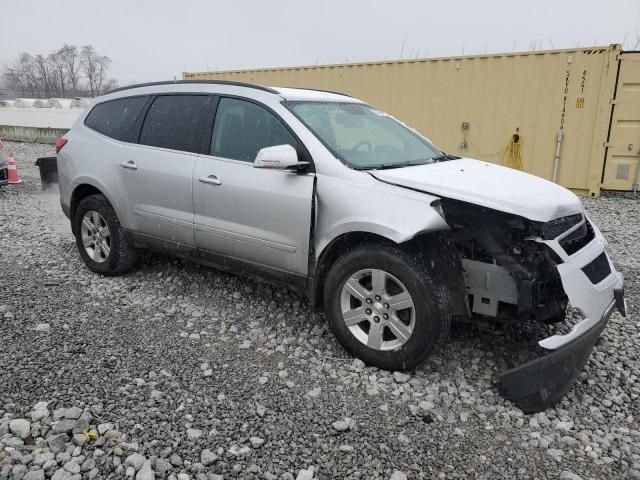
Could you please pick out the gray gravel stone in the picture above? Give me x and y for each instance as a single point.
(256, 442)
(73, 413)
(42, 458)
(567, 475)
(343, 425)
(207, 457)
(398, 475)
(306, 474)
(105, 427)
(400, 377)
(314, 392)
(18, 471)
(72, 467)
(57, 442)
(135, 460)
(145, 473)
(34, 475)
(39, 414)
(556, 454)
(64, 426)
(20, 427)
(564, 427)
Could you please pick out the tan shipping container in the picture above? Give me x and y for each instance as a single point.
(472, 106)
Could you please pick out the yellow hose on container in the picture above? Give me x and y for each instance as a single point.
(513, 153)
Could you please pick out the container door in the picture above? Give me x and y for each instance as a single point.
(623, 148)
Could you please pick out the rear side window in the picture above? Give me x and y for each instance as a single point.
(176, 122)
(242, 128)
(116, 118)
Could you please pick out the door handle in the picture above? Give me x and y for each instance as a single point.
(211, 180)
(130, 165)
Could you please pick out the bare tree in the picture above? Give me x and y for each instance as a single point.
(69, 57)
(66, 72)
(58, 73)
(101, 73)
(94, 68)
(26, 75)
(109, 85)
(44, 72)
(88, 66)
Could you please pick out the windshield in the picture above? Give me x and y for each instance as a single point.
(363, 137)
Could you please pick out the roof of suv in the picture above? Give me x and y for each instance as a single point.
(293, 94)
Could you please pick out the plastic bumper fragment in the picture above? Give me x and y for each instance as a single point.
(538, 384)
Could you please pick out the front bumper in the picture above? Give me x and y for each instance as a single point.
(538, 384)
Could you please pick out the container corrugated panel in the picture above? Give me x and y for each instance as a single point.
(538, 93)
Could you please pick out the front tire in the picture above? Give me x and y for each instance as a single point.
(105, 247)
(386, 307)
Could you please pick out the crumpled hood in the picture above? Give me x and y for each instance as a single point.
(492, 186)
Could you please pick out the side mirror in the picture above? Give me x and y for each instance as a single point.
(279, 157)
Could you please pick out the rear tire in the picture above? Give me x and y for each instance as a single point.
(411, 309)
(105, 247)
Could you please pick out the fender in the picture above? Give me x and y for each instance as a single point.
(373, 207)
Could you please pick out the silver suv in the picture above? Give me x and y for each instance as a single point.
(327, 195)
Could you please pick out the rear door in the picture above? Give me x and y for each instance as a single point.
(156, 173)
(259, 216)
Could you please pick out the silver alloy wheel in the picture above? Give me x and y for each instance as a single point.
(378, 309)
(96, 237)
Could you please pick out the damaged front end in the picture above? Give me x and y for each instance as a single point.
(518, 270)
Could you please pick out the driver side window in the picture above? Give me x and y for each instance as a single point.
(242, 128)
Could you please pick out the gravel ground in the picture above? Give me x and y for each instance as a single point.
(178, 371)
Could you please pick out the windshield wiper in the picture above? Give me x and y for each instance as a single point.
(386, 166)
(443, 157)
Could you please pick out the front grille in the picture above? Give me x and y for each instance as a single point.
(578, 239)
(557, 227)
(597, 270)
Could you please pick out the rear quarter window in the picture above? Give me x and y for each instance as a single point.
(116, 118)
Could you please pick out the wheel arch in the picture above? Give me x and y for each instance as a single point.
(351, 239)
(84, 189)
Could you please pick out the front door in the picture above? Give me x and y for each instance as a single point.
(259, 216)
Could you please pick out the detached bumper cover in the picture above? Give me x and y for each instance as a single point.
(538, 384)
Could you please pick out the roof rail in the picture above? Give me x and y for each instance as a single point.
(321, 90)
(179, 82)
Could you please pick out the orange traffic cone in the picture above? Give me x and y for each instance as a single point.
(13, 170)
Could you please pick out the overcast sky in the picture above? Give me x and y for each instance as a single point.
(157, 39)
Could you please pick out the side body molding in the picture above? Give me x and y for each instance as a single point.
(371, 206)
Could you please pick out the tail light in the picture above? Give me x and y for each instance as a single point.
(60, 143)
